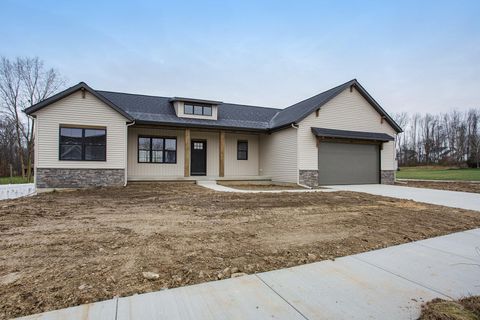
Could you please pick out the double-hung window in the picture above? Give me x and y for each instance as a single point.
(157, 150)
(242, 150)
(83, 144)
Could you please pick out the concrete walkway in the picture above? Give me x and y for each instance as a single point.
(217, 187)
(455, 199)
(388, 283)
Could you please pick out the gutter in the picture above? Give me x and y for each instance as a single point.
(298, 173)
(126, 150)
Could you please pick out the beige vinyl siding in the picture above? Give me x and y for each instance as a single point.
(154, 171)
(162, 171)
(278, 155)
(347, 111)
(74, 110)
(234, 167)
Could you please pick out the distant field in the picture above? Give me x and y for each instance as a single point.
(6, 180)
(438, 173)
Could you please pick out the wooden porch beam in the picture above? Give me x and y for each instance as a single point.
(187, 153)
(221, 172)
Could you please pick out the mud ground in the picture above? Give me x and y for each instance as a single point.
(68, 248)
(451, 186)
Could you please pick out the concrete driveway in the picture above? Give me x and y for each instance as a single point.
(454, 199)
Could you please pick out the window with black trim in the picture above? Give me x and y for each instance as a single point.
(157, 150)
(198, 110)
(242, 150)
(83, 144)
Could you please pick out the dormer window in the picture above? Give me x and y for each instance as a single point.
(198, 110)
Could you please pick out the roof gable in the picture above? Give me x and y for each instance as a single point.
(69, 91)
(159, 110)
(302, 109)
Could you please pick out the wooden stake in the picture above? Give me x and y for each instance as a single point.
(222, 154)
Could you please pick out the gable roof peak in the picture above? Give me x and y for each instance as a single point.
(80, 86)
(300, 110)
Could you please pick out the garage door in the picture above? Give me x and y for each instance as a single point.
(346, 163)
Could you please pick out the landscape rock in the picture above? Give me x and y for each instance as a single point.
(10, 278)
(227, 272)
(234, 270)
(238, 274)
(150, 275)
(311, 257)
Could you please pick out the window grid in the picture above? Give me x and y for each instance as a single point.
(82, 144)
(198, 110)
(157, 149)
(242, 150)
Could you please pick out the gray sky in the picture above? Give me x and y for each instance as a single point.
(414, 56)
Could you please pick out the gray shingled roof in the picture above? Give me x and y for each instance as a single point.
(152, 109)
(159, 110)
(303, 108)
(355, 135)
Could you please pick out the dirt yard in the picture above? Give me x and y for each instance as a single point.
(67, 248)
(463, 309)
(452, 186)
(259, 186)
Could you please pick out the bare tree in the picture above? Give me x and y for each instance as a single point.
(24, 82)
(402, 120)
(448, 138)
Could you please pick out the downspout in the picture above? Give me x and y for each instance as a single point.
(298, 172)
(126, 150)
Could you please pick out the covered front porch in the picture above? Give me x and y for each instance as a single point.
(161, 153)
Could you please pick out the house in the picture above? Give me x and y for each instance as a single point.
(87, 137)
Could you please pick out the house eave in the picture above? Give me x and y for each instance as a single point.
(200, 126)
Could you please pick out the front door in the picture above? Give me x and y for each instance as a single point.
(198, 158)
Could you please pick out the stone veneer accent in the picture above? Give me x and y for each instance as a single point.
(79, 178)
(308, 177)
(387, 176)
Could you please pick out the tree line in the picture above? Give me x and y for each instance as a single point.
(23, 82)
(450, 138)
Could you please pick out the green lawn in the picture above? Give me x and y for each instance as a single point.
(6, 180)
(438, 173)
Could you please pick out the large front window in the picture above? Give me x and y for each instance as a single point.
(157, 150)
(83, 144)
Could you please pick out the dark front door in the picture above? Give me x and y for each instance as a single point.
(198, 158)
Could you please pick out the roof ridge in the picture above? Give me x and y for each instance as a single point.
(251, 106)
(152, 96)
(134, 94)
(323, 92)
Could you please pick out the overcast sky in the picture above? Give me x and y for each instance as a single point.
(410, 55)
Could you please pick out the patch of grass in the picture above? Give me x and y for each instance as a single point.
(463, 309)
(13, 180)
(439, 173)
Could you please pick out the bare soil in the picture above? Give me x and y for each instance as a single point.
(452, 186)
(260, 186)
(463, 309)
(67, 248)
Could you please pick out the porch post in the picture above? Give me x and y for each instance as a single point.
(221, 169)
(186, 136)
